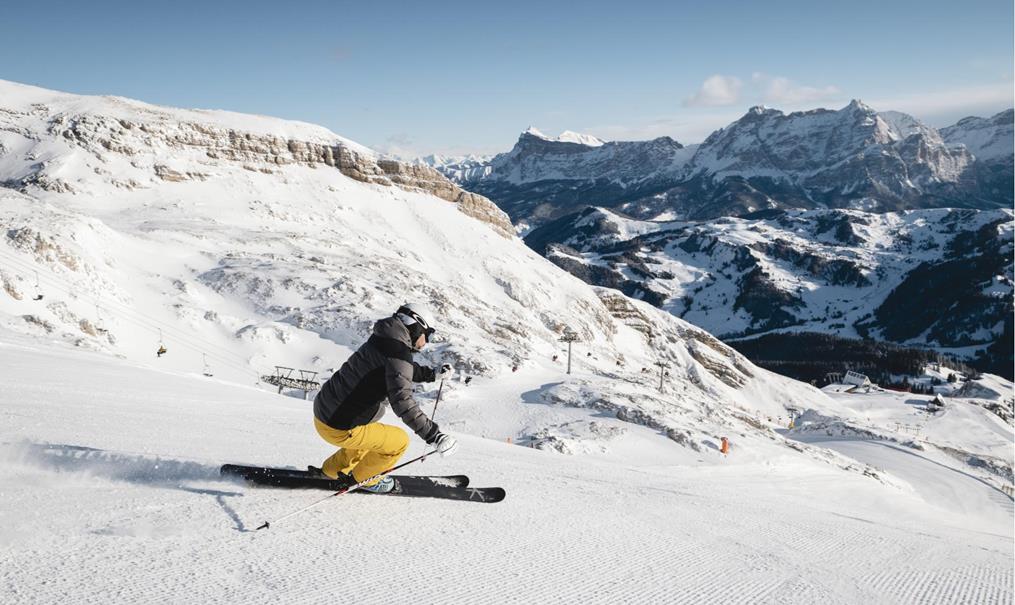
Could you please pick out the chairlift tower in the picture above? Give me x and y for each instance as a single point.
(569, 337)
(662, 369)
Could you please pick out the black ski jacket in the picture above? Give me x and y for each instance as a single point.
(381, 368)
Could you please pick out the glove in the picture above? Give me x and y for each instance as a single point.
(446, 445)
(442, 372)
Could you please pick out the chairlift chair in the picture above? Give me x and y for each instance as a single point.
(162, 347)
(38, 290)
(98, 321)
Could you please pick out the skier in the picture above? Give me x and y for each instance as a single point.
(350, 403)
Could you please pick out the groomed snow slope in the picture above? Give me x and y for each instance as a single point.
(244, 258)
(110, 494)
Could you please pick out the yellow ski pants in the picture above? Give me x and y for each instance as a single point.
(366, 450)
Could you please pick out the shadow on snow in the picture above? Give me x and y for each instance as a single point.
(136, 469)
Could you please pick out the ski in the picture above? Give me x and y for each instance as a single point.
(405, 485)
(291, 477)
(470, 494)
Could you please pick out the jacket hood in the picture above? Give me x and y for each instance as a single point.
(392, 327)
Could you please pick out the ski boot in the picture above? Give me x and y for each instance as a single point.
(318, 473)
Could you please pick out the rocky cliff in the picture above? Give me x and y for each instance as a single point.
(134, 143)
(854, 157)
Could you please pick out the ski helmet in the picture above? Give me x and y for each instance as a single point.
(411, 316)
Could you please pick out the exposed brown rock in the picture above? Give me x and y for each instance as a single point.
(103, 135)
(10, 287)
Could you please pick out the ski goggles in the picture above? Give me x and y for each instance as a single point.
(427, 330)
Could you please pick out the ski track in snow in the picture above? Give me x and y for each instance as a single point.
(111, 498)
(936, 481)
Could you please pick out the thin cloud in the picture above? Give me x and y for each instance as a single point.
(399, 145)
(716, 91)
(949, 104)
(402, 146)
(778, 90)
(687, 129)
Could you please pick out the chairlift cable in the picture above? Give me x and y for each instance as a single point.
(139, 319)
(145, 322)
(126, 309)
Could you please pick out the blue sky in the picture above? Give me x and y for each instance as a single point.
(458, 77)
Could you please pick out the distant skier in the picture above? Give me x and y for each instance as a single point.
(349, 405)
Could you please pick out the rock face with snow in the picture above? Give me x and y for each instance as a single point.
(244, 243)
(544, 177)
(988, 139)
(937, 278)
(990, 142)
(113, 129)
(855, 157)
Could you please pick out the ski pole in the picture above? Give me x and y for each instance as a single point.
(439, 389)
(346, 490)
(434, 413)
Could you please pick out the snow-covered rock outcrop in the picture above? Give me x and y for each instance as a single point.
(135, 145)
(988, 139)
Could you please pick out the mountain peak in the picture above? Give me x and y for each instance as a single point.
(759, 111)
(535, 132)
(858, 105)
(568, 136)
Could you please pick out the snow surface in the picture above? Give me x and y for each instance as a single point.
(108, 484)
(111, 494)
(23, 97)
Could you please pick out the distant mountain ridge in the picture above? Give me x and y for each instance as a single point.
(936, 278)
(541, 177)
(854, 157)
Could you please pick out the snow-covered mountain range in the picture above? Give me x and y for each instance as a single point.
(238, 243)
(790, 274)
(242, 242)
(927, 278)
(854, 157)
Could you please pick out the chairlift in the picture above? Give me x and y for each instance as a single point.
(38, 290)
(162, 347)
(207, 368)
